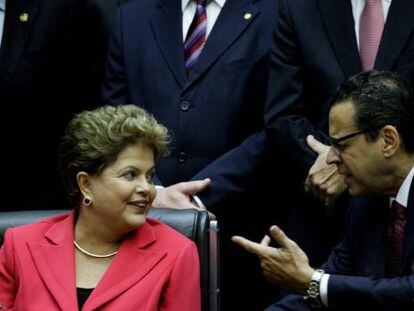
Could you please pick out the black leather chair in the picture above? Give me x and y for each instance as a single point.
(192, 223)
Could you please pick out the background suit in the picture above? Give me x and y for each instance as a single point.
(215, 116)
(312, 54)
(156, 268)
(46, 75)
(357, 265)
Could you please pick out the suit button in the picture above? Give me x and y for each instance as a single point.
(184, 105)
(182, 157)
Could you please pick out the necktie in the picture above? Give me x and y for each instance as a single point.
(196, 36)
(371, 26)
(395, 239)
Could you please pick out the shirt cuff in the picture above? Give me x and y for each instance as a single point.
(323, 289)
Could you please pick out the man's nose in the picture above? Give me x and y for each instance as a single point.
(333, 156)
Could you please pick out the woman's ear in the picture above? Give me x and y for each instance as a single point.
(83, 180)
(391, 141)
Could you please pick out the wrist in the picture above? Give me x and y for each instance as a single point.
(308, 274)
(313, 297)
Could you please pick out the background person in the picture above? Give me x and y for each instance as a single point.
(201, 67)
(371, 124)
(106, 254)
(52, 57)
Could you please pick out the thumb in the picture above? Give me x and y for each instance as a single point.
(195, 186)
(281, 238)
(315, 144)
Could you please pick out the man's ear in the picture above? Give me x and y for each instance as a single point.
(83, 180)
(390, 140)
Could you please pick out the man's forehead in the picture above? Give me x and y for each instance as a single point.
(341, 118)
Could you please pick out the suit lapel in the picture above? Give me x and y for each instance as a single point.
(55, 263)
(131, 264)
(408, 248)
(230, 24)
(378, 221)
(339, 25)
(399, 25)
(167, 28)
(16, 32)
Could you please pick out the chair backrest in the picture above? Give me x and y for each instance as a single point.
(193, 224)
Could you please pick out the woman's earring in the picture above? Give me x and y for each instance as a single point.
(87, 201)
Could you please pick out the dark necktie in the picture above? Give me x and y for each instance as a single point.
(196, 36)
(371, 26)
(395, 241)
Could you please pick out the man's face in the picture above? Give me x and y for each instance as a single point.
(358, 159)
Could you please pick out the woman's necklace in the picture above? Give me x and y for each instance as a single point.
(93, 255)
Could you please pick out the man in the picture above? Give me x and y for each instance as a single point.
(50, 68)
(371, 124)
(317, 45)
(201, 68)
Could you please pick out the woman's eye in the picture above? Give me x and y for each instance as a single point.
(130, 174)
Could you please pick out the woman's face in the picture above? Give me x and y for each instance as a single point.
(123, 192)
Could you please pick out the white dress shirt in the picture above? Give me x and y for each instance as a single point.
(401, 198)
(2, 14)
(213, 9)
(358, 7)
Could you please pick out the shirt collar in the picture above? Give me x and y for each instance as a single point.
(356, 1)
(3, 5)
(404, 191)
(184, 3)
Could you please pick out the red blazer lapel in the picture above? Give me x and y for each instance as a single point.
(131, 264)
(55, 263)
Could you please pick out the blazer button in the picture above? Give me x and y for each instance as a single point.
(184, 105)
(182, 157)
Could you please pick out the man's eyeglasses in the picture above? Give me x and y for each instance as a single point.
(335, 142)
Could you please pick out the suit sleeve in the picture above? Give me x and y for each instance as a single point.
(8, 287)
(288, 115)
(115, 90)
(235, 171)
(347, 292)
(183, 290)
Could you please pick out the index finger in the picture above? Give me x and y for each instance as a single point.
(250, 246)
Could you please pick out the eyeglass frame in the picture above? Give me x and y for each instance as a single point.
(336, 141)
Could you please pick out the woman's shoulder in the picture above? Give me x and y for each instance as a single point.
(36, 230)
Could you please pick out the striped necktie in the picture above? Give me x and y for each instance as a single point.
(371, 26)
(196, 36)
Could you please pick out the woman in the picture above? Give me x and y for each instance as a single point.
(106, 254)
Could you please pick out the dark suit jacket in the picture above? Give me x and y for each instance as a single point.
(313, 51)
(47, 73)
(357, 265)
(215, 116)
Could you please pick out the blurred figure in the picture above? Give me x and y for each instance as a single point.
(371, 127)
(106, 254)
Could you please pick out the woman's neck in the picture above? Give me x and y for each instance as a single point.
(94, 235)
